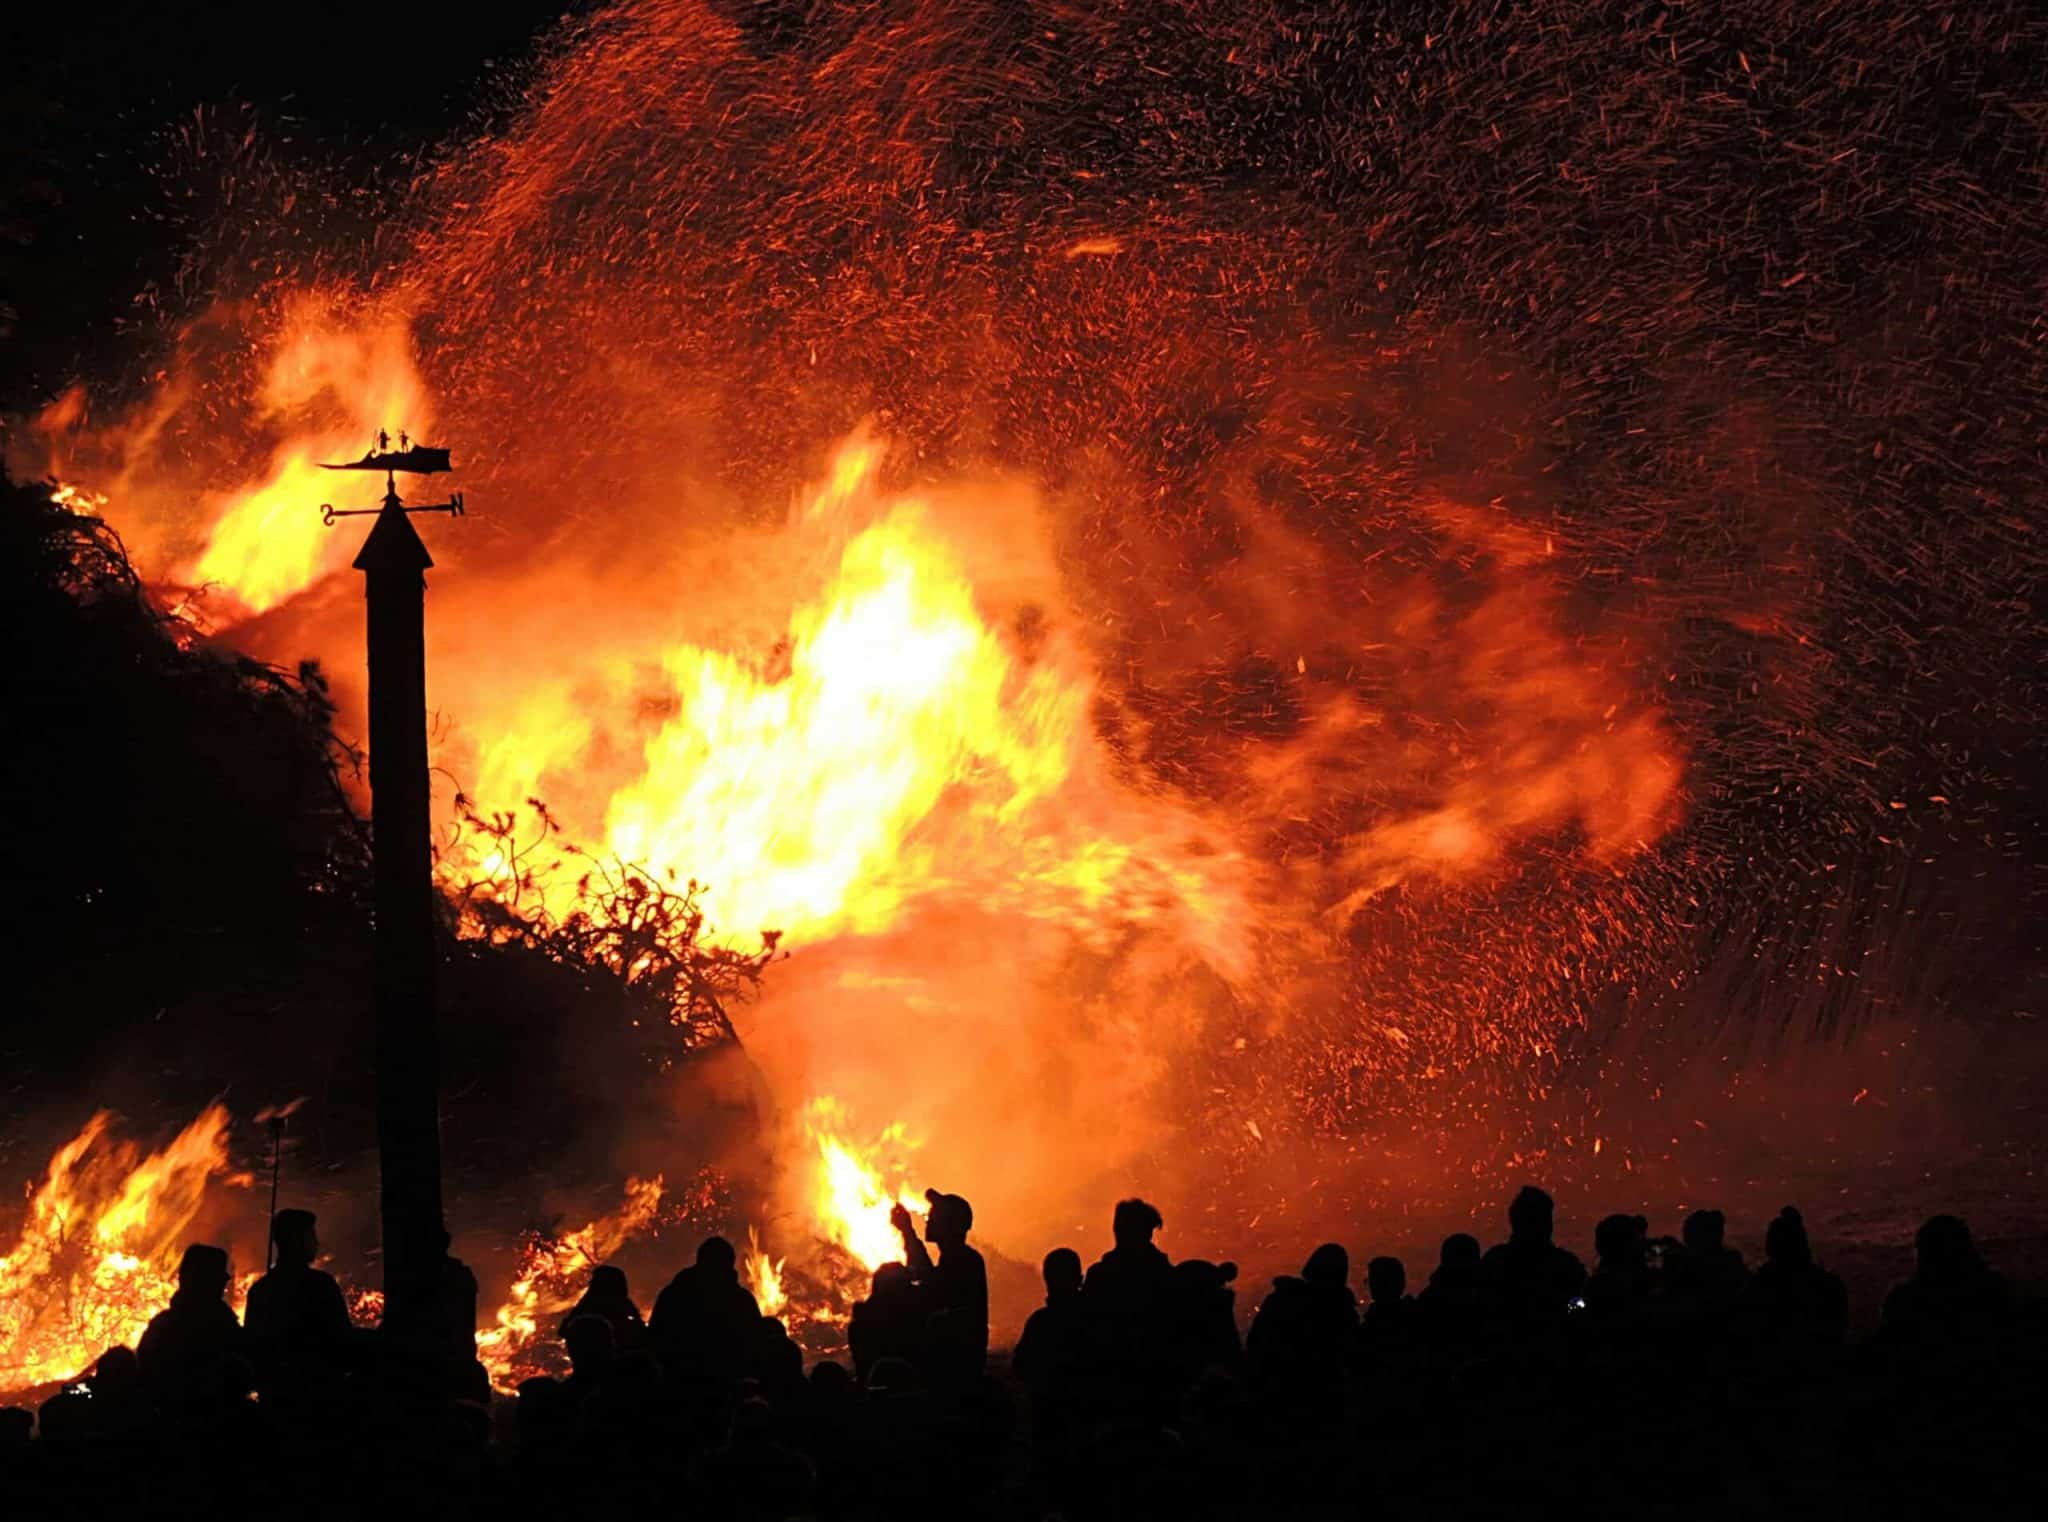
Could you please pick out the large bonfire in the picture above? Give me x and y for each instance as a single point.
(1203, 635)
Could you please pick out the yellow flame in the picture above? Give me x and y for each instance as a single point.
(851, 1200)
(97, 1252)
(764, 1277)
(799, 796)
(79, 499)
(551, 1276)
(267, 541)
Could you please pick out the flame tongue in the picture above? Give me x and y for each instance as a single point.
(552, 1274)
(763, 1276)
(97, 1253)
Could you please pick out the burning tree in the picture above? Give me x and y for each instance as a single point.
(643, 932)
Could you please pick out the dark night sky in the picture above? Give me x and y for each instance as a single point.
(86, 96)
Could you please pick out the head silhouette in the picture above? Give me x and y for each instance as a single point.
(1532, 1216)
(1943, 1251)
(715, 1256)
(1328, 1264)
(589, 1340)
(1386, 1281)
(891, 1281)
(118, 1372)
(1460, 1251)
(608, 1283)
(752, 1421)
(1062, 1270)
(203, 1271)
(1134, 1223)
(296, 1236)
(949, 1219)
(1705, 1231)
(1618, 1240)
(1785, 1240)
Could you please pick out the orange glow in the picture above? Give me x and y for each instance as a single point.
(763, 1275)
(519, 1341)
(904, 749)
(331, 385)
(97, 1253)
(78, 499)
(851, 1199)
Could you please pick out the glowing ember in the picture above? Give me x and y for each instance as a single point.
(79, 499)
(97, 1253)
(519, 1342)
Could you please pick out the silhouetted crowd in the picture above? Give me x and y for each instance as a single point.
(1670, 1379)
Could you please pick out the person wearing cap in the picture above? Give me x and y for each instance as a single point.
(298, 1326)
(188, 1345)
(955, 1288)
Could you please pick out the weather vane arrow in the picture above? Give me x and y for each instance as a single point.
(411, 459)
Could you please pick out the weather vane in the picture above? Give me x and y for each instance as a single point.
(413, 459)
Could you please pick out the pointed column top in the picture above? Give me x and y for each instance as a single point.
(393, 544)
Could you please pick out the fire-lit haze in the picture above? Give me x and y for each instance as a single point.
(1132, 575)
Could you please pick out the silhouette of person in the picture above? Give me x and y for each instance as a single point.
(1050, 1353)
(1134, 1276)
(1534, 1278)
(1390, 1336)
(1620, 1280)
(704, 1321)
(1792, 1294)
(1952, 1293)
(776, 1362)
(1458, 1305)
(955, 1289)
(1126, 1295)
(1708, 1273)
(1201, 1320)
(607, 1295)
(1390, 1312)
(751, 1474)
(298, 1327)
(120, 1402)
(592, 1355)
(186, 1347)
(888, 1324)
(1303, 1330)
(455, 1294)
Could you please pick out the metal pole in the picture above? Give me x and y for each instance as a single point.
(276, 1167)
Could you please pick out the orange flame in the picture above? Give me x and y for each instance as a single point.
(907, 749)
(850, 1200)
(551, 1274)
(266, 541)
(97, 1253)
(763, 1275)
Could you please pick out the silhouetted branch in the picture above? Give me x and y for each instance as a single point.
(643, 929)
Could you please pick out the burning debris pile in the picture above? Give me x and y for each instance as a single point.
(97, 1252)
